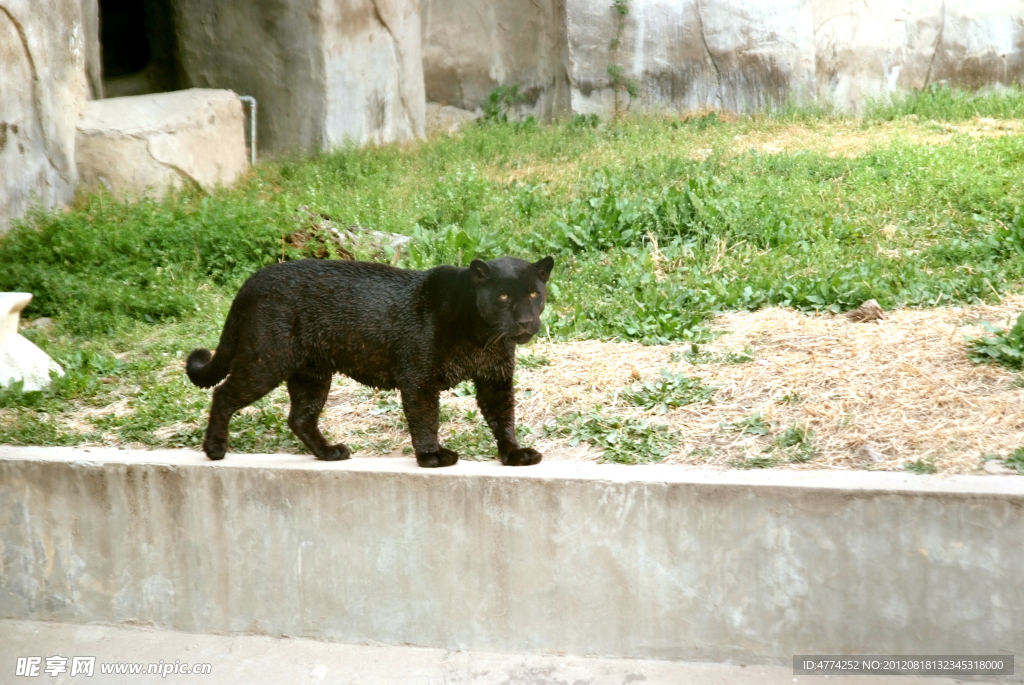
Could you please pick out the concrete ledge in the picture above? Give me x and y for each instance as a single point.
(651, 562)
(260, 660)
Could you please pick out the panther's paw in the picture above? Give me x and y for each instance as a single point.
(432, 460)
(524, 456)
(335, 453)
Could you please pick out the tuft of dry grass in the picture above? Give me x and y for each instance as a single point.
(851, 138)
(876, 395)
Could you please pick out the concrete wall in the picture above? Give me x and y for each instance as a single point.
(472, 46)
(323, 71)
(43, 88)
(644, 562)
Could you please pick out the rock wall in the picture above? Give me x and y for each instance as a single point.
(738, 55)
(373, 69)
(472, 46)
(43, 88)
(323, 71)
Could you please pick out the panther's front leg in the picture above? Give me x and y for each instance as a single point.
(497, 402)
(422, 406)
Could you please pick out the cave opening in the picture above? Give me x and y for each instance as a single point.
(138, 47)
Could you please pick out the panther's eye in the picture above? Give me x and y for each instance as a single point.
(535, 294)
(503, 297)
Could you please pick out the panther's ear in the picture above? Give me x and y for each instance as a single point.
(544, 268)
(479, 271)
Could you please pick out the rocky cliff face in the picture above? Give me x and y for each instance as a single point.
(43, 89)
(472, 46)
(323, 71)
(738, 55)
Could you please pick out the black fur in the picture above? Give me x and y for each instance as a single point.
(418, 331)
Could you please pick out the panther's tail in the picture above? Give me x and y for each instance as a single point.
(205, 369)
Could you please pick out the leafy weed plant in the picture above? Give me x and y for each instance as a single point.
(921, 467)
(624, 440)
(1015, 460)
(668, 391)
(1001, 346)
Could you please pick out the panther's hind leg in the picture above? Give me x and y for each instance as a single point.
(238, 391)
(309, 393)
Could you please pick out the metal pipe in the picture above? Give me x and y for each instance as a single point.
(251, 101)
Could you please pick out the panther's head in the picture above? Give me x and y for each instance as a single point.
(510, 294)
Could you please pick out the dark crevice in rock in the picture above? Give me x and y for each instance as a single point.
(401, 67)
(704, 42)
(938, 43)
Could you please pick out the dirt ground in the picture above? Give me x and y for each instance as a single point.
(871, 395)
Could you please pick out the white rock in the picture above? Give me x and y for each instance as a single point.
(447, 119)
(20, 360)
(43, 323)
(871, 452)
(996, 467)
(152, 142)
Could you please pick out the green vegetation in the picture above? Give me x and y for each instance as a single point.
(793, 445)
(945, 104)
(751, 425)
(656, 223)
(1000, 346)
(624, 440)
(696, 356)
(1015, 460)
(671, 390)
(921, 467)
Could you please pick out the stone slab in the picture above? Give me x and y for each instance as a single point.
(145, 144)
(650, 562)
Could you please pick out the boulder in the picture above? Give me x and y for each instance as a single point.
(20, 359)
(448, 119)
(43, 88)
(149, 143)
(324, 72)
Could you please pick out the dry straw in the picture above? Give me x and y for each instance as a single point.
(876, 395)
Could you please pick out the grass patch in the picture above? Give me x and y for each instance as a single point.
(795, 443)
(623, 440)
(750, 425)
(758, 462)
(943, 103)
(921, 467)
(656, 223)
